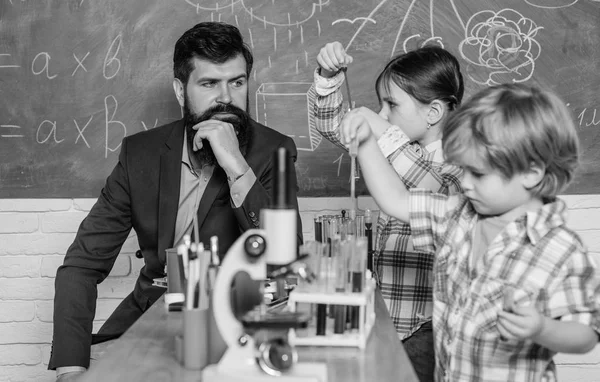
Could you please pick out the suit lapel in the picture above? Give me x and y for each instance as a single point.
(217, 181)
(169, 185)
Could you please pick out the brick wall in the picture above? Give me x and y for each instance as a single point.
(35, 234)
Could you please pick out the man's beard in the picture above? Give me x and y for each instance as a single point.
(237, 117)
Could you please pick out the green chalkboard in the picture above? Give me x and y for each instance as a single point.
(76, 76)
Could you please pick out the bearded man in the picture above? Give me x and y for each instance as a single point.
(216, 163)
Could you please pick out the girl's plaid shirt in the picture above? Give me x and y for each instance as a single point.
(403, 275)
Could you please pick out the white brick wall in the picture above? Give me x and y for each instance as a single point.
(35, 234)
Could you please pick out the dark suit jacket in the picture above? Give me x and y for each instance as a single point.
(142, 193)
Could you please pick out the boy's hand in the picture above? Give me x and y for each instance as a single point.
(356, 124)
(523, 322)
(331, 58)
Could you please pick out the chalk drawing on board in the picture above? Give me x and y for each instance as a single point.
(432, 39)
(366, 19)
(285, 107)
(412, 3)
(249, 9)
(500, 47)
(552, 4)
(216, 8)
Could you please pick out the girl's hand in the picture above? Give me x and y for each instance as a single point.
(356, 124)
(332, 58)
(524, 322)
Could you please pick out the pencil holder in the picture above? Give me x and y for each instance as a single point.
(192, 346)
(175, 278)
(216, 343)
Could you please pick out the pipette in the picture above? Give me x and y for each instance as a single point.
(350, 104)
(353, 153)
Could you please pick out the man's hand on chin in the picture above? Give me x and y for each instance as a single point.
(224, 143)
(70, 377)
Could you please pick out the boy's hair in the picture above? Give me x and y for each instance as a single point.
(426, 74)
(212, 41)
(512, 126)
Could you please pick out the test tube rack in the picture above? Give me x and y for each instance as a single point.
(309, 294)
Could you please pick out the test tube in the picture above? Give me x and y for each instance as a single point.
(340, 264)
(358, 265)
(334, 228)
(359, 225)
(318, 232)
(322, 284)
(347, 248)
(325, 229)
(369, 235)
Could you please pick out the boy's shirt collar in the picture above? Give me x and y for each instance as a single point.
(537, 223)
(551, 215)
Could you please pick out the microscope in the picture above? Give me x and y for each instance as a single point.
(258, 346)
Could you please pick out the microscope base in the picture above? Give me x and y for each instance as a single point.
(301, 372)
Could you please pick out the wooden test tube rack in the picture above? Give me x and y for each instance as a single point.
(309, 294)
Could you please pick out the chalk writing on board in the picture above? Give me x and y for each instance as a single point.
(111, 61)
(339, 162)
(110, 123)
(151, 127)
(10, 135)
(81, 130)
(7, 65)
(310, 183)
(503, 43)
(79, 63)
(45, 59)
(43, 134)
(587, 118)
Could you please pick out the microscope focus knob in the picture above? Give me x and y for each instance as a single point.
(255, 246)
(276, 356)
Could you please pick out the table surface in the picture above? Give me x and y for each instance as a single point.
(146, 352)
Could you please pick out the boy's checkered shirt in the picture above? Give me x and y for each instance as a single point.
(537, 256)
(403, 275)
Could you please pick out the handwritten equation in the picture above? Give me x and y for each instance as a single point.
(49, 131)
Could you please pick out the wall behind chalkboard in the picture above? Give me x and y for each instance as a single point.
(76, 76)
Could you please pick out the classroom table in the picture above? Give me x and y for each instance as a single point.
(146, 352)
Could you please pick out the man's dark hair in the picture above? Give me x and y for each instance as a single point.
(215, 42)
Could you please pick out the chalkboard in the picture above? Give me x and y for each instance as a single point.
(76, 76)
